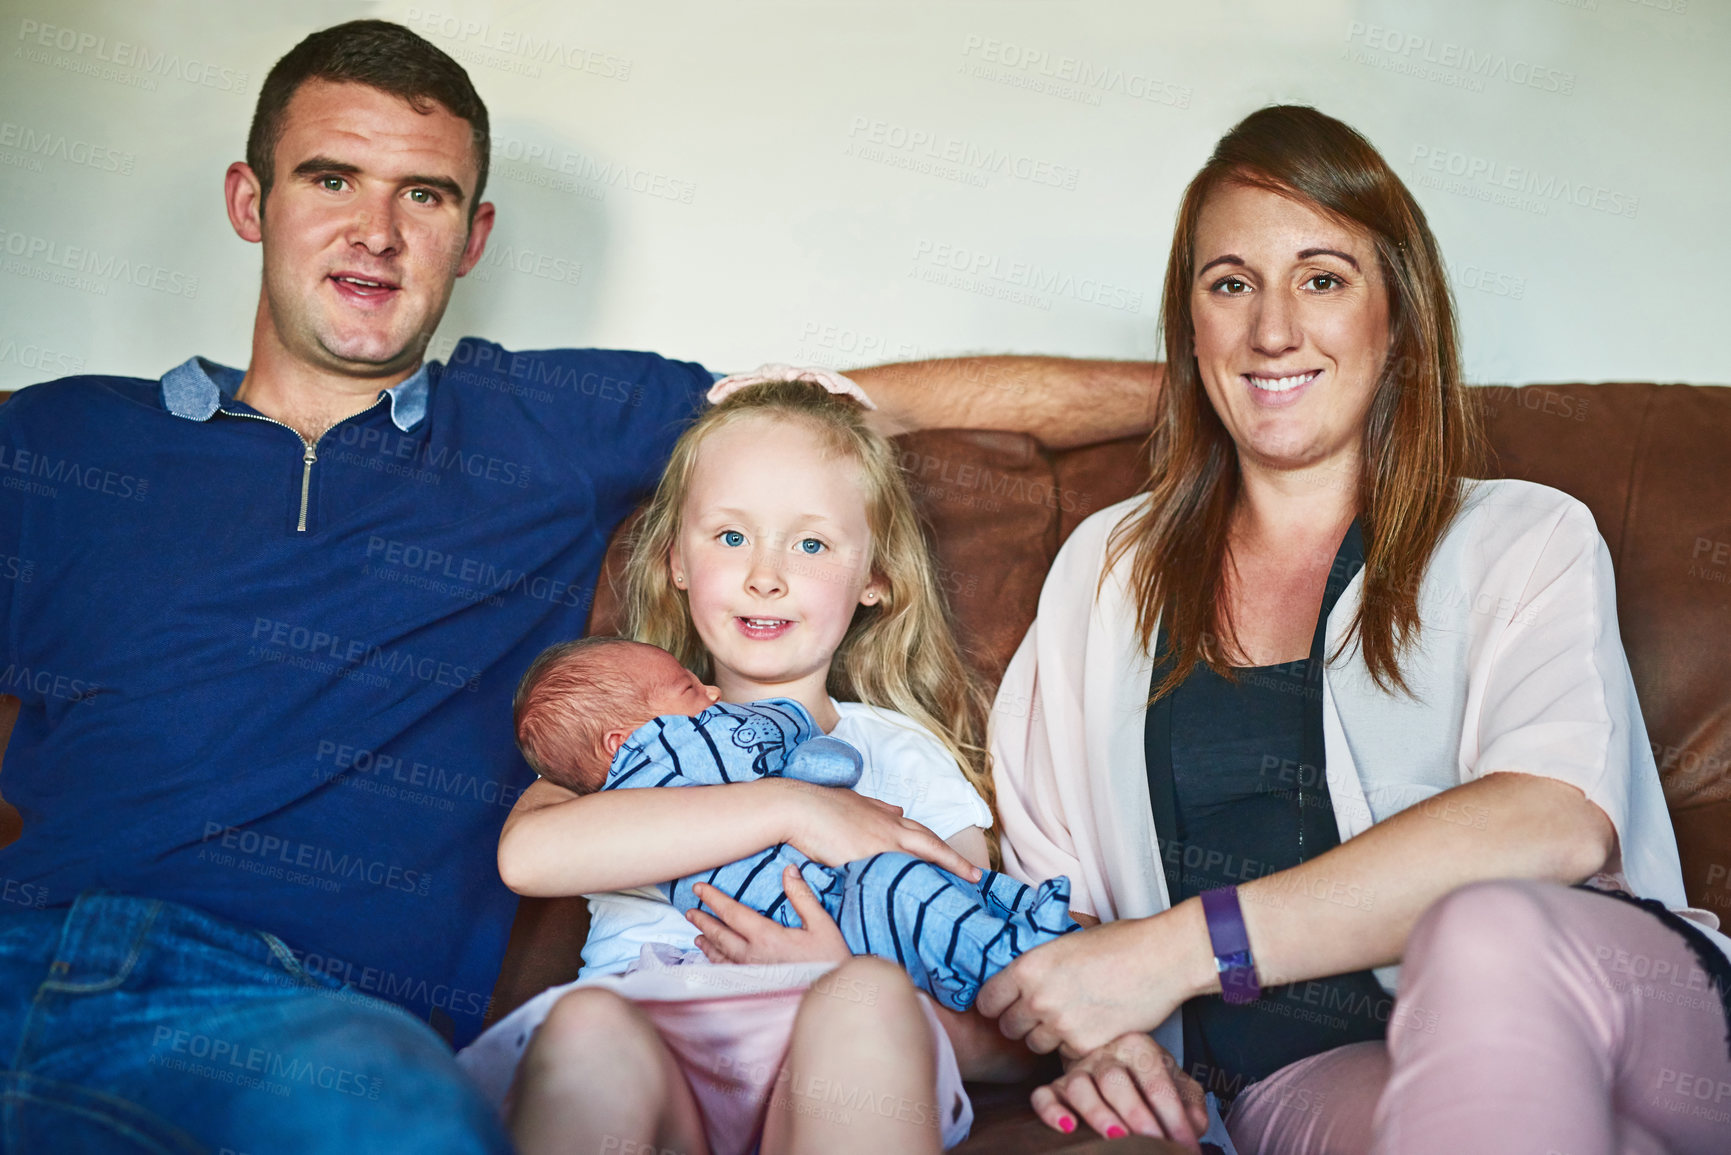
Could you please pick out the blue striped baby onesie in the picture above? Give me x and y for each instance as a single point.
(950, 935)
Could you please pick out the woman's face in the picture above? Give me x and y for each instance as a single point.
(774, 550)
(1291, 327)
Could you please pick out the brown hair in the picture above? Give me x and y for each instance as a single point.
(565, 704)
(899, 653)
(380, 55)
(1421, 432)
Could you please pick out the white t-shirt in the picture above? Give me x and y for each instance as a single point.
(905, 765)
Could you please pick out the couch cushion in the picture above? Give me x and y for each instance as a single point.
(992, 508)
(1651, 462)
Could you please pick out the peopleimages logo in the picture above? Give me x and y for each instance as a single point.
(924, 149)
(51, 145)
(592, 171)
(92, 262)
(1065, 77)
(352, 657)
(1447, 61)
(1022, 282)
(92, 49)
(529, 45)
(1518, 186)
(48, 473)
(339, 866)
(395, 987)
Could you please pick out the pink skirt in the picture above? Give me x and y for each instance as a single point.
(728, 1028)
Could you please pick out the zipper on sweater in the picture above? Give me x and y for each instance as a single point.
(309, 457)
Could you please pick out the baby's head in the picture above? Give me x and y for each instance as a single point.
(579, 701)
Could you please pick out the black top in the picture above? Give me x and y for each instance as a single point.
(1236, 774)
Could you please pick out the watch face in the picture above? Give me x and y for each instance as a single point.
(1238, 978)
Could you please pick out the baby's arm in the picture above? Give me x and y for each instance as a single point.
(734, 743)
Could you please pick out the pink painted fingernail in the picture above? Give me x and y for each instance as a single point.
(1066, 1124)
(1115, 1132)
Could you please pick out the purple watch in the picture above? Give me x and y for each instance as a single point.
(1231, 945)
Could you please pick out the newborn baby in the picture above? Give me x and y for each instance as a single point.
(609, 714)
(579, 702)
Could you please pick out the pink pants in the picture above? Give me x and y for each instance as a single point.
(1533, 1019)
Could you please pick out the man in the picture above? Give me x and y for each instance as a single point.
(276, 616)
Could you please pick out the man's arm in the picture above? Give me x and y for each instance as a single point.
(1061, 401)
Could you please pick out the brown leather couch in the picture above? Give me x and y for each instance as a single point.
(1653, 462)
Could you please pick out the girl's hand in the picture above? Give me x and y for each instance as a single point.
(738, 934)
(1082, 990)
(835, 826)
(1129, 1086)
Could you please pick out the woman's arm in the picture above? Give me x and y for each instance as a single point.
(1353, 907)
(1349, 909)
(556, 842)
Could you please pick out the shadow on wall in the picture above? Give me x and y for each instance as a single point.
(549, 245)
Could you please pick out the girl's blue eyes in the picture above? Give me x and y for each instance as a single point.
(810, 546)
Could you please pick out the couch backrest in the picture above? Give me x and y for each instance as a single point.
(1653, 463)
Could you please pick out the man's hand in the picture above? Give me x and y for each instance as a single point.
(738, 934)
(764, 374)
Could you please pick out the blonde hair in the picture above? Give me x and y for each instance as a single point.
(899, 653)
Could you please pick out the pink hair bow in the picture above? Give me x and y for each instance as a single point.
(763, 374)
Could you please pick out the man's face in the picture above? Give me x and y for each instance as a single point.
(366, 227)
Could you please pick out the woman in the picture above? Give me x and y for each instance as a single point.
(1390, 722)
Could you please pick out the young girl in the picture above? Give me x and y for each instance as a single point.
(780, 557)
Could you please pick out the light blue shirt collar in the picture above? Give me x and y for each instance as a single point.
(197, 388)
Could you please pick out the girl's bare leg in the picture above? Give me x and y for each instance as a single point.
(861, 1074)
(597, 1079)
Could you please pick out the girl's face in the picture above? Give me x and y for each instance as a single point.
(774, 551)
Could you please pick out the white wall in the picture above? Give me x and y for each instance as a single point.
(775, 216)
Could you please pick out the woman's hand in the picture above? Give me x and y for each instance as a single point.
(738, 934)
(1129, 1086)
(1082, 990)
(836, 826)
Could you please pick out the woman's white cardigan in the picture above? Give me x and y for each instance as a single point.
(1519, 667)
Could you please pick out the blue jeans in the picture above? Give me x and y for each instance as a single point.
(135, 1025)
